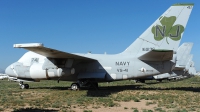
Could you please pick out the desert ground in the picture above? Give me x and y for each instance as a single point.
(121, 96)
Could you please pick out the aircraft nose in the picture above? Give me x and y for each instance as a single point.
(10, 72)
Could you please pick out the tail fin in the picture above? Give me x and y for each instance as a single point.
(189, 62)
(183, 55)
(165, 33)
(183, 52)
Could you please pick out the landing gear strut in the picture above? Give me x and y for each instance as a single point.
(23, 86)
(140, 80)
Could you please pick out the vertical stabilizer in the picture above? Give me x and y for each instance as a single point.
(183, 54)
(165, 33)
(189, 62)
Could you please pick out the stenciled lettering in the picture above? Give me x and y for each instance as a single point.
(177, 32)
(162, 32)
(122, 63)
(122, 70)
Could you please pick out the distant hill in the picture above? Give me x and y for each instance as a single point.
(2, 71)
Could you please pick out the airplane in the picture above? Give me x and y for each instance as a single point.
(190, 68)
(150, 54)
(186, 71)
(3, 76)
(181, 59)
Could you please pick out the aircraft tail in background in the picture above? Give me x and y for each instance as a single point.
(183, 55)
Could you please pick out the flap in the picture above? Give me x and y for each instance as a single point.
(91, 75)
(48, 52)
(157, 55)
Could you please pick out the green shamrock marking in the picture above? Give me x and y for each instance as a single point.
(168, 29)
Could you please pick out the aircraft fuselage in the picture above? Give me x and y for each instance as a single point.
(33, 66)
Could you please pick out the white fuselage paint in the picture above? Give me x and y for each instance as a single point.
(118, 67)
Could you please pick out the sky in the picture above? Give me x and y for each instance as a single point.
(80, 26)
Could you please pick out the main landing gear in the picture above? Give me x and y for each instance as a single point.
(75, 86)
(84, 83)
(23, 86)
(140, 81)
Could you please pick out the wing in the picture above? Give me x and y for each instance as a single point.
(157, 55)
(48, 52)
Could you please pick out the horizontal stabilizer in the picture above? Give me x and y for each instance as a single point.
(157, 55)
(48, 52)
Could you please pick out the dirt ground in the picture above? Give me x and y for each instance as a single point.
(124, 107)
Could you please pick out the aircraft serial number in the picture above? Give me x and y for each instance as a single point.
(147, 49)
(122, 70)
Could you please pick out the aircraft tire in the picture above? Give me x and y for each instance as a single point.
(26, 86)
(22, 86)
(75, 86)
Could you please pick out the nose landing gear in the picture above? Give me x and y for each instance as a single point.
(23, 86)
(75, 86)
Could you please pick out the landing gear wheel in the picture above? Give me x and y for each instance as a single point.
(22, 86)
(75, 86)
(26, 86)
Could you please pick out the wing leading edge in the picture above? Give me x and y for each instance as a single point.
(48, 52)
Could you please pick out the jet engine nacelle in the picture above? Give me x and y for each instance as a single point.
(37, 72)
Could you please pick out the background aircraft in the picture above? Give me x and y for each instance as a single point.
(3, 76)
(150, 54)
(182, 58)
